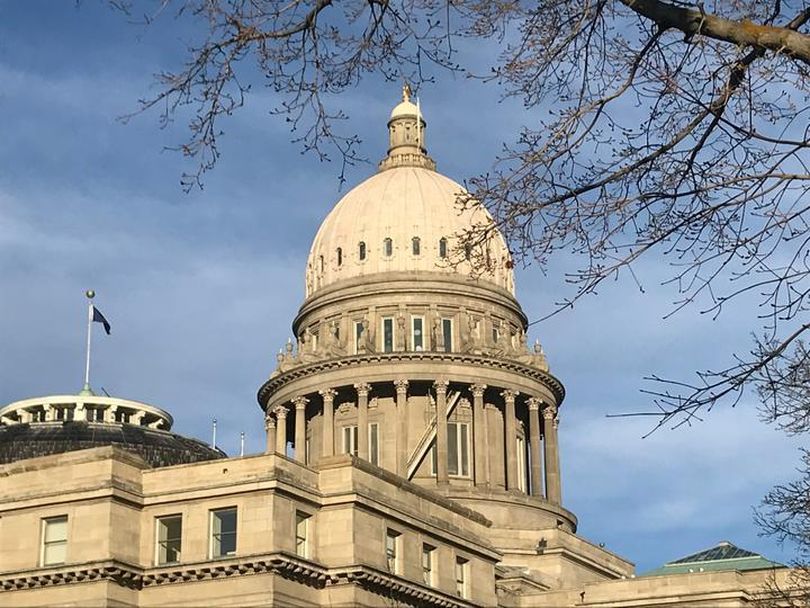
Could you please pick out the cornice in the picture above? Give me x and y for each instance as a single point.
(288, 566)
(277, 382)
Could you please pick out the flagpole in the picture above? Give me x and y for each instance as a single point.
(90, 295)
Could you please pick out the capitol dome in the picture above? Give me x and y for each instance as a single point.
(406, 218)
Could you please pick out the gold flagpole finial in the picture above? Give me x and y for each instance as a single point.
(406, 91)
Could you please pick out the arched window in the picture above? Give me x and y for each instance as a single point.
(361, 250)
(416, 245)
(442, 247)
(388, 247)
(339, 256)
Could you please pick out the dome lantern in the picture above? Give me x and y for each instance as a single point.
(406, 136)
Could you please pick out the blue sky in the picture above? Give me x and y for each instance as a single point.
(201, 288)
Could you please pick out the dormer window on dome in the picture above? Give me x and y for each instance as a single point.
(416, 245)
(361, 250)
(339, 256)
(388, 247)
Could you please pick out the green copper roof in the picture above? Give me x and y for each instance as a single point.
(723, 556)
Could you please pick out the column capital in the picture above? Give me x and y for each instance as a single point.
(300, 402)
(269, 422)
(509, 395)
(328, 394)
(401, 384)
(478, 389)
(280, 411)
(440, 385)
(363, 389)
(550, 412)
(534, 403)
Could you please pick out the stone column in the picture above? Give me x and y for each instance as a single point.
(270, 431)
(534, 445)
(510, 438)
(328, 429)
(363, 390)
(441, 431)
(301, 428)
(281, 429)
(553, 492)
(480, 450)
(401, 386)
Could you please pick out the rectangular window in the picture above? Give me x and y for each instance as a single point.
(350, 440)
(458, 449)
(358, 335)
(223, 533)
(447, 334)
(462, 567)
(169, 535)
(521, 463)
(427, 564)
(388, 334)
(418, 333)
(374, 443)
(54, 541)
(302, 534)
(392, 551)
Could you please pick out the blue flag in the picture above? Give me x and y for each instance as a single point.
(99, 318)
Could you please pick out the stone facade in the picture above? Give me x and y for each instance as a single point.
(411, 454)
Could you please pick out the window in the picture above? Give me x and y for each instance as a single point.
(442, 247)
(350, 440)
(54, 541)
(302, 534)
(169, 537)
(427, 564)
(339, 256)
(392, 550)
(418, 333)
(320, 264)
(416, 245)
(223, 532)
(361, 250)
(462, 566)
(458, 449)
(358, 335)
(374, 443)
(447, 334)
(122, 416)
(388, 247)
(521, 463)
(468, 250)
(388, 334)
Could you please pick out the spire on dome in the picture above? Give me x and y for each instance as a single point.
(406, 135)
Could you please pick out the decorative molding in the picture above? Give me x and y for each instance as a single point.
(282, 564)
(534, 403)
(328, 394)
(509, 395)
(300, 402)
(363, 389)
(478, 389)
(277, 382)
(401, 385)
(345, 408)
(280, 411)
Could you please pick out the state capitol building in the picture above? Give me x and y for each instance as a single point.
(412, 456)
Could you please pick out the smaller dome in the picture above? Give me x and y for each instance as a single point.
(406, 107)
(64, 423)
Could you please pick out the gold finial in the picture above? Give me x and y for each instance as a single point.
(406, 92)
